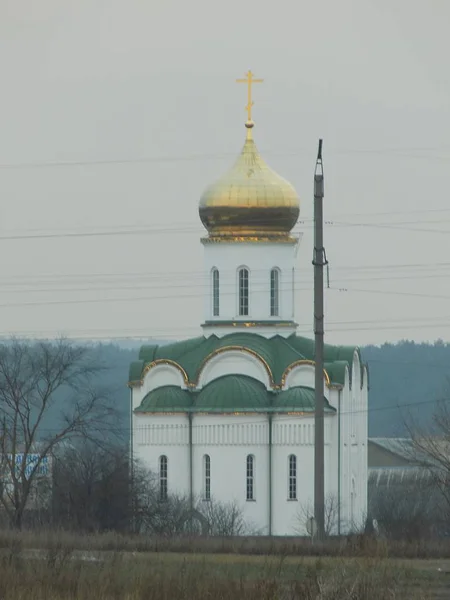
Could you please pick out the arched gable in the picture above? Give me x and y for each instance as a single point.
(302, 374)
(232, 360)
(356, 371)
(163, 372)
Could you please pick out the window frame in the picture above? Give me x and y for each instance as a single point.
(163, 478)
(250, 478)
(206, 477)
(275, 292)
(292, 477)
(243, 292)
(215, 279)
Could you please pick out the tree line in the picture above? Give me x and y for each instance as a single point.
(56, 406)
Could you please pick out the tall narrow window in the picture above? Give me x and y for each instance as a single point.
(250, 477)
(292, 477)
(207, 474)
(274, 292)
(215, 292)
(293, 292)
(163, 478)
(243, 292)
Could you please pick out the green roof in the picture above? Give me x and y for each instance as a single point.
(299, 399)
(278, 353)
(230, 393)
(166, 398)
(233, 393)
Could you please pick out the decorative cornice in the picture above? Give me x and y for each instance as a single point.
(250, 324)
(249, 239)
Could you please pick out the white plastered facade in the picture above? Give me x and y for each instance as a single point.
(229, 438)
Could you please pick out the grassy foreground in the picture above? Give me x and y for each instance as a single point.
(48, 566)
(54, 576)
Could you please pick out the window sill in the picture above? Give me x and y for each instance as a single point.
(206, 499)
(251, 500)
(292, 500)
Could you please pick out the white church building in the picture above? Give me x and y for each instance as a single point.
(229, 415)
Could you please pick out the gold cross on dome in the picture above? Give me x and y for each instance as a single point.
(249, 80)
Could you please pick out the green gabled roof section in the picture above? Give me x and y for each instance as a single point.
(232, 393)
(168, 398)
(277, 352)
(337, 370)
(299, 399)
(135, 371)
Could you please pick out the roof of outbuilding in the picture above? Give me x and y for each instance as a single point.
(278, 353)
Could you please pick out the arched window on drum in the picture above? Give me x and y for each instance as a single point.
(243, 288)
(215, 292)
(274, 292)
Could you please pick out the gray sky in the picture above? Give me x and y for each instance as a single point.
(150, 87)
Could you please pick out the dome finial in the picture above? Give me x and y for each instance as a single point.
(249, 80)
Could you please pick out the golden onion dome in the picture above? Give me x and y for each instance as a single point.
(249, 200)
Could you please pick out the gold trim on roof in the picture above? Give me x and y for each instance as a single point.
(239, 349)
(249, 239)
(155, 363)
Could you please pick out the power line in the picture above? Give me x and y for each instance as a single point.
(391, 152)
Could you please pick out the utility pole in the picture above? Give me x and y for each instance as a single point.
(319, 263)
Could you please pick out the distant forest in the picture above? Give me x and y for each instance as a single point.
(405, 379)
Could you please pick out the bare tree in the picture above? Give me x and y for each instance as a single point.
(429, 448)
(406, 507)
(38, 382)
(91, 487)
(331, 515)
(223, 518)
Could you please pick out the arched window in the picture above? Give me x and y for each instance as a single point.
(207, 477)
(250, 477)
(274, 292)
(293, 291)
(215, 292)
(292, 480)
(163, 478)
(243, 292)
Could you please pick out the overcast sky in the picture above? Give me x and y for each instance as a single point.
(141, 96)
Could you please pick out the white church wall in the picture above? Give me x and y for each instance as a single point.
(295, 436)
(228, 440)
(259, 258)
(156, 435)
(345, 471)
(233, 362)
(354, 450)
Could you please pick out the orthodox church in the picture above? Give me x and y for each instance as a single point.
(229, 415)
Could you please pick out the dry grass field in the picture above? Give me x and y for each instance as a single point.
(61, 566)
